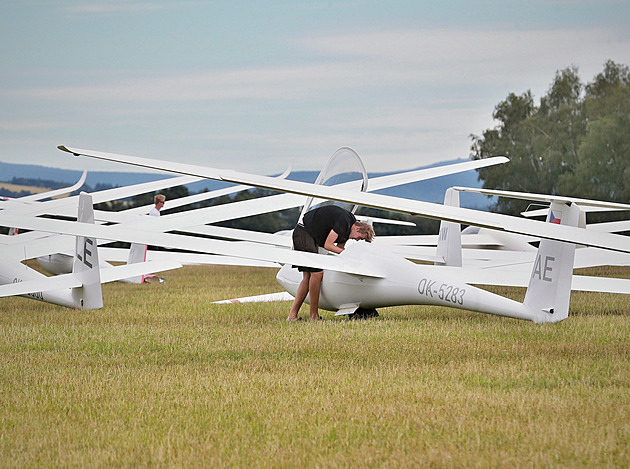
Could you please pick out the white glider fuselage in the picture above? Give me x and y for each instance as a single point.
(403, 283)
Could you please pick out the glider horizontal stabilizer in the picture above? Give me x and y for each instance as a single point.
(44, 284)
(121, 272)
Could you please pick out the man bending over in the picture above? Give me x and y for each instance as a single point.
(329, 227)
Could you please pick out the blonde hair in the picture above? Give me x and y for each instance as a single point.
(159, 198)
(366, 230)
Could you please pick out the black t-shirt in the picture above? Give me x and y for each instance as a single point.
(318, 222)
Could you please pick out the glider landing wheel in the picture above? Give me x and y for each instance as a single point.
(364, 313)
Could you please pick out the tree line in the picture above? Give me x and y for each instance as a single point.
(279, 220)
(575, 142)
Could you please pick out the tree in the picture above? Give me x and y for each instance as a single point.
(576, 142)
(603, 167)
(270, 222)
(509, 138)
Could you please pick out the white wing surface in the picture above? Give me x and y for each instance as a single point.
(185, 258)
(44, 284)
(54, 193)
(68, 206)
(520, 278)
(426, 209)
(241, 250)
(58, 282)
(120, 272)
(269, 297)
(545, 198)
(383, 182)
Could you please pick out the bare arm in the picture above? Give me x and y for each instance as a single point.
(330, 243)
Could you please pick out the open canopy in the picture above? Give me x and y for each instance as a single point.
(343, 168)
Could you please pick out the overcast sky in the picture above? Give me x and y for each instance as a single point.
(248, 85)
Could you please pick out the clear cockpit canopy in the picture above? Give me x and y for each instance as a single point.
(345, 170)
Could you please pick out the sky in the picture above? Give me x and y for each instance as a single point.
(252, 85)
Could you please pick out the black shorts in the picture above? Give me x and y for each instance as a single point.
(303, 241)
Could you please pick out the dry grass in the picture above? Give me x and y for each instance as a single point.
(18, 188)
(161, 377)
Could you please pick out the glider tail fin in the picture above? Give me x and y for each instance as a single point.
(549, 289)
(86, 264)
(137, 254)
(449, 246)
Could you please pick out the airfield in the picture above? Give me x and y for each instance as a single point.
(162, 377)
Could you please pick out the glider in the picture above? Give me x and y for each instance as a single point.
(79, 289)
(366, 285)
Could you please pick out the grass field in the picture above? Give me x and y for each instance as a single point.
(18, 188)
(160, 377)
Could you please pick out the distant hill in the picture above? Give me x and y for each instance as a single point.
(431, 190)
(69, 176)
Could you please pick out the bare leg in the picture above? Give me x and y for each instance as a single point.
(300, 296)
(315, 286)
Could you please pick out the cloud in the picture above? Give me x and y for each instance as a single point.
(34, 124)
(381, 60)
(467, 56)
(122, 6)
(274, 83)
(401, 97)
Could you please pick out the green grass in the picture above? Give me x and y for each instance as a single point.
(160, 377)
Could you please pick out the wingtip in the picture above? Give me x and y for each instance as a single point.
(66, 149)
